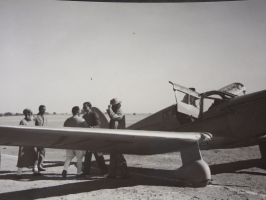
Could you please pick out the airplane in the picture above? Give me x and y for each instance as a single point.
(190, 125)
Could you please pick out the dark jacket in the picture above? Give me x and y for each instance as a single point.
(27, 155)
(92, 119)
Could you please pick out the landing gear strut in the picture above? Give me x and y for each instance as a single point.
(194, 169)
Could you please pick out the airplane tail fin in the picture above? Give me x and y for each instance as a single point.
(104, 121)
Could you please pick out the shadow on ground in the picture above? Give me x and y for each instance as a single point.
(232, 167)
(89, 185)
(140, 176)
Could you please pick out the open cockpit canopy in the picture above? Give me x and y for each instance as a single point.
(187, 100)
(213, 98)
(190, 102)
(234, 88)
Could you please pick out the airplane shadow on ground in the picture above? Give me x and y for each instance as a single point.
(11, 175)
(54, 163)
(76, 188)
(233, 167)
(140, 176)
(4, 172)
(61, 163)
(90, 184)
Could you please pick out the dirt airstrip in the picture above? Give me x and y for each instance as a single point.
(237, 174)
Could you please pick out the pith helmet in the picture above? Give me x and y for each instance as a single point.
(115, 101)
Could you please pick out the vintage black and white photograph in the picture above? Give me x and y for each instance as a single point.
(147, 100)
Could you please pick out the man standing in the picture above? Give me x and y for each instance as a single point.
(41, 120)
(93, 121)
(74, 121)
(27, 156)
(118, 121)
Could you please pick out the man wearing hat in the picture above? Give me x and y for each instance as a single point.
(93, 121)
(41, 120)
(118, 121)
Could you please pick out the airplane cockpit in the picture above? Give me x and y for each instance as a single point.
(188, 103)
(192, 105)
(216, 98)
(213, 100)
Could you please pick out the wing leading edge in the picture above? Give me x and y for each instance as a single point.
(103, 140)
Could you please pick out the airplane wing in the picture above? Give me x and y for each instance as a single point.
(137, 142)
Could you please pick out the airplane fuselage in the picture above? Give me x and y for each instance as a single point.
(236, 122)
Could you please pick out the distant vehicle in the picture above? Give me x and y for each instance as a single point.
(210, 120)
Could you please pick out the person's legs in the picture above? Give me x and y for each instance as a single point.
(79, 155)
(100, 161)
(41, 156)
(35, 169)
(122, 165)
(67, 162)
(87, 163)
(19, 173)
(79, 165)
(69, 156)
(35, 166)
(113, 166)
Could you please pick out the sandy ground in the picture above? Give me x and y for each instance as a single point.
(237, 174)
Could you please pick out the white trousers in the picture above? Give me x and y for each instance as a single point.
(70, 154)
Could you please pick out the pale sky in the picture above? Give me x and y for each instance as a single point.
(63, 53)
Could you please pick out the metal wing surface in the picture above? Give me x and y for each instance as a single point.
(103, 140)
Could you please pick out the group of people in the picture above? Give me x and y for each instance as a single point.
(34, 156)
